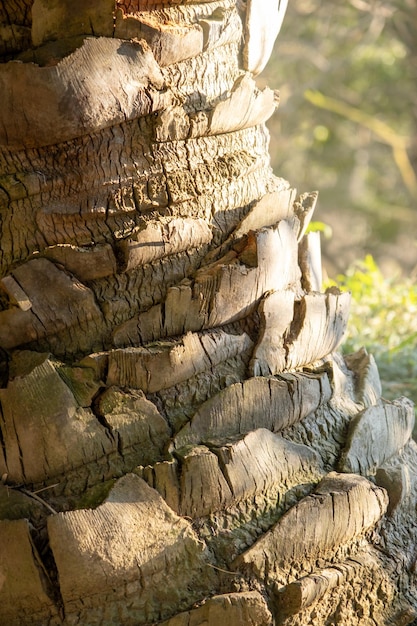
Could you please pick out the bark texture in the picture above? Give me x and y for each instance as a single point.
(180, 441)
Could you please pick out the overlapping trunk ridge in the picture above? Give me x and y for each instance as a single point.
(180, 441)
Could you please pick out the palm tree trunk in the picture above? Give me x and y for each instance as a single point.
(181, 442)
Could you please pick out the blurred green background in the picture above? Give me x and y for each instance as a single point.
(347, 126)
(347, 122)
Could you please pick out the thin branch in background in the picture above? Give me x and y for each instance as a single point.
(398, 143)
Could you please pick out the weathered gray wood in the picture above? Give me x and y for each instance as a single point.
(123, 295)
(180, 31)
(342, 509)
(218, 479)
(60, 304)
(24, 597)
(285, 342)
(174, 124)
(319, 325)
(182, 179)
(247, 106)
(309, 590)
(163, 365)
(164, 477)
(396, 480)
(376, 434)
(169, 40)
(88, 263)
(161, 239)
(276, 311)
(224, 292)
(140, 430)
(132, 558)
(222, 26)
(44, 430)
(343, 384)
(203, 486)
(267, 211)
(368, 387)
(60, 20)
(233, 609)
(256, 403)
(304, 207)
(263, 266)
(309, 258)
(76, 96)
(263, 23)
(212, 73)
(275, 465)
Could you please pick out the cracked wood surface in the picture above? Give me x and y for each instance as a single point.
(76, 96)
(110, 557)
(342, 508)
(360, 572)
(376, 434)
(309, 590)
(273, 403)
(172, 408)
(59, 304)
(24, 583)
(208, 479)
(223, 292)
(247, 607)
(47, 432)
(164, 365)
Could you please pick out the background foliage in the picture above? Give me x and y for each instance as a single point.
(347, 126)
(383, 319)
(347, 122)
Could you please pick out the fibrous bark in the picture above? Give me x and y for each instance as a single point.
(180, 441)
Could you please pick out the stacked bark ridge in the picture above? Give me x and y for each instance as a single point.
(181, 441)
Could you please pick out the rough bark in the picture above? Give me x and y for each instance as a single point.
(180, 441)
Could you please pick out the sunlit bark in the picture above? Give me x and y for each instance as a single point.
(180, 440)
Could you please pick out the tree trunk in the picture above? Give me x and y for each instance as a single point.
(181, 442)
